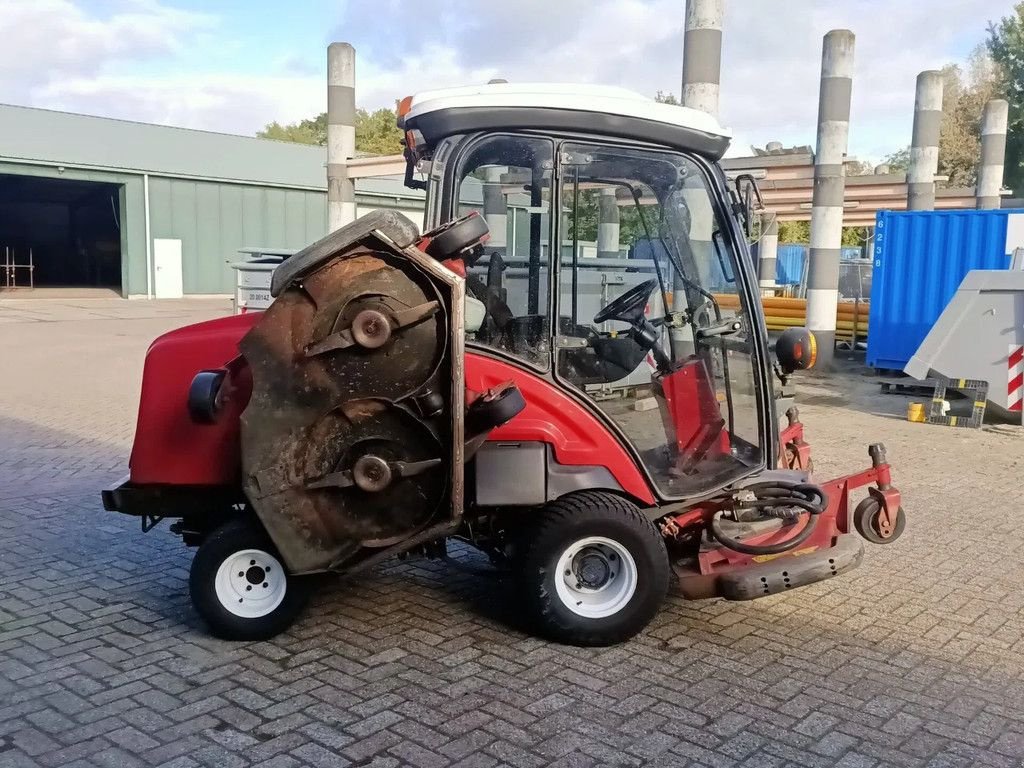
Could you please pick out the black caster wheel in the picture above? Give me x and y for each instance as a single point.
(866, 521)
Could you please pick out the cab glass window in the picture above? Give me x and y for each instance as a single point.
(650, 322)
(508, 180)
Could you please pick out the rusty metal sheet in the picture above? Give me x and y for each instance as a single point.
(316, 410)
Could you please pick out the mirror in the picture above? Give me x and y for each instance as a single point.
(749, 201)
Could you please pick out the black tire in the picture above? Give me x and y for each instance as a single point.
(456, 236)
(562, 526)
(218, 549)
(865, 520)
(488, 413)
(202, 396)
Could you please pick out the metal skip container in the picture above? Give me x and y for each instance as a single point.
(980, 336)
(252, 278)
(920, 259)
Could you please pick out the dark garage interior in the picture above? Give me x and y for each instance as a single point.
(59, 233)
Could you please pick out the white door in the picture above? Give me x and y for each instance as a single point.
(167, 269)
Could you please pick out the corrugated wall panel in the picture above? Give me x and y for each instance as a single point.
(274, 217)
(214, 220)
(316, 215)
(920, 258)
(254, 225)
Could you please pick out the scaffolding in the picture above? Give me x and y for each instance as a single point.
(11, 267)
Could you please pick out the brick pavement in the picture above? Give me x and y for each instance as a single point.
(914, 660)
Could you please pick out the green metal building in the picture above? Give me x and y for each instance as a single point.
(151, 210)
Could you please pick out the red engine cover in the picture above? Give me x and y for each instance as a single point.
(551, 416)
(169, 447)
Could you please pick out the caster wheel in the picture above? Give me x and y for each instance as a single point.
(594, 571)
(866, 521)
(240, 586)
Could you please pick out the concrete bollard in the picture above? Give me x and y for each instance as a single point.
(829, 189)
(993, 154)
(924, 147)
(341, 134)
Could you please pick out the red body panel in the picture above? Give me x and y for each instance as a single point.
(693, 411)
(551, 416)
(169, 447)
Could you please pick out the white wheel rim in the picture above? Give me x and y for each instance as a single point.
(250, 583)
(596, 577)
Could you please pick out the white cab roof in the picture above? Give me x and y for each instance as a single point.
(567, 96)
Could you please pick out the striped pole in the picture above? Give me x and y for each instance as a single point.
(829, 190)
(768, 252)
(702, 68)
(607, 224)
(495, 206)
(1015, 379)
(993, 154)
(341, 134)
(702, 54)
(924, 145)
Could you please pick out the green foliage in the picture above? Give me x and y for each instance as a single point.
(304, 132)
(799, 233)
(855, 236)
(794, 232)
(1006, 46)
(630, 224)
(666, 97)
(376, 132)
(964, 94)
(898, 161)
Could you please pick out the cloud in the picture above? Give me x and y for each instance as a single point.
(143, 60)
(225, 103)
(47, 41)
(771, 53)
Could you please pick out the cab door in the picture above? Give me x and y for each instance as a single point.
(692, 405)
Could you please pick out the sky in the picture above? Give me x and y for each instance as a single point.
(235, 65)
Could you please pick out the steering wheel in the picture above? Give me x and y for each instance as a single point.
(629, 307)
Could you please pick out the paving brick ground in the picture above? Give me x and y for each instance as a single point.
(914, 660)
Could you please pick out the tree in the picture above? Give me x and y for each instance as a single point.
(304, 132)
(795, 232)
(859, 168)
(376, 132)
(1006, 46)
(666, 97)
(898, 161)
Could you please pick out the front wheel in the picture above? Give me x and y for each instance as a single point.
(595, 570)
(867, 521)
(240, 586)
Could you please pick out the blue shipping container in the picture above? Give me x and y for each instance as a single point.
(791, 257)
(790, 264)
(920, 259)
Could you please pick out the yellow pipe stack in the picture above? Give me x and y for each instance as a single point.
(781, 313)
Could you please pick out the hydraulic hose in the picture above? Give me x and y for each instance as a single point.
(778, 499)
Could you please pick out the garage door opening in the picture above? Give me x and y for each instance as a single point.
(59, 233)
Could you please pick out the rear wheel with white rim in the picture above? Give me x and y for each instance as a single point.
(595, 570)
(240, 586)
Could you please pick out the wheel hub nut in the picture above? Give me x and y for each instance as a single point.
(593, 570)
(371, 473)
(371, 329)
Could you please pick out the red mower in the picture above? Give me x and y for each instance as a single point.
(548, 374)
